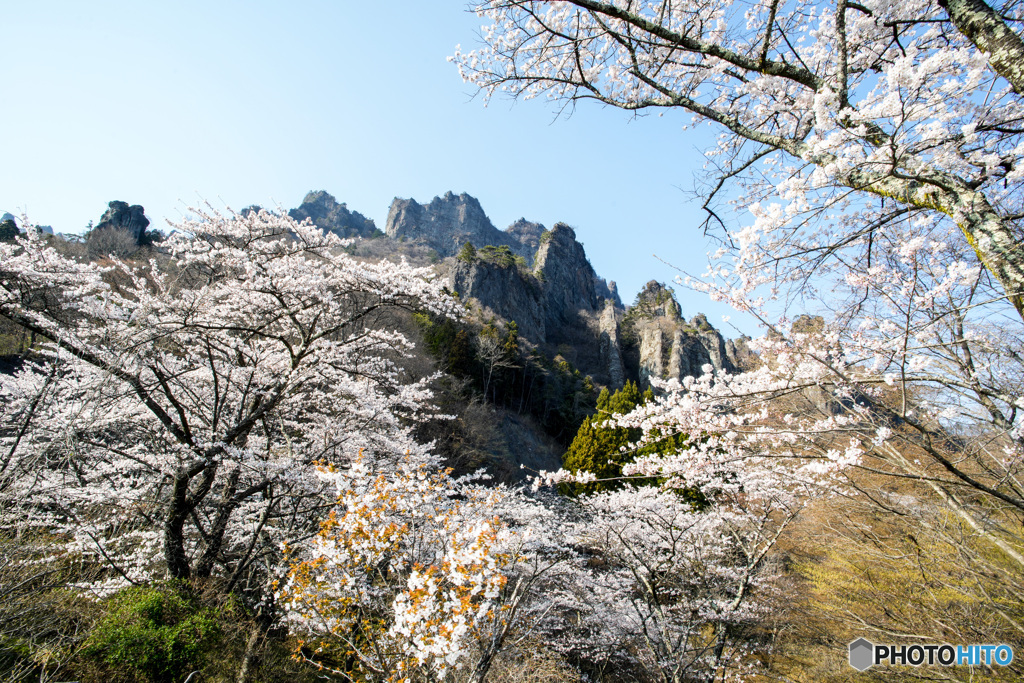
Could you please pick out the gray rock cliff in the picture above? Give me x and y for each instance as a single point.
(505, 291)
(330, 216)
(448, 222)
(610, 350)
(570, 283)
(445, 224)
(667, 346)
(528, 234)
(739, 354)
(560, 304)
(121, 216)
(608, 290)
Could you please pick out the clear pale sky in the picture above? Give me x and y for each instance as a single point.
(163, 104)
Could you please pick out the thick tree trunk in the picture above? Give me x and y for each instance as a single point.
(181, 504)
(1000, 250)
(174, 535)
(983, 26)
(215, 538)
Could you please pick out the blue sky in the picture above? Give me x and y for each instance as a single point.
(238, 103)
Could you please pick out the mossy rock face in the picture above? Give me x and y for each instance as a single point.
(159, 634)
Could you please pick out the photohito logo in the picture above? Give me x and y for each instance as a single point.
(864, 654)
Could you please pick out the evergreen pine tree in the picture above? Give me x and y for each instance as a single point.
(467, 253)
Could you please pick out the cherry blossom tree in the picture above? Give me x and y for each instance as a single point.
(676, 576)
(171, 425)
(667, 587)
(875, 151)
(415, 574)
(883, 106)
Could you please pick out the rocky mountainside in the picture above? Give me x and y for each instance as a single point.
(330, 216)
(448, 222)
(660, 342)
(563, 307)
(557, 300)
(560, 304)
(120, 216)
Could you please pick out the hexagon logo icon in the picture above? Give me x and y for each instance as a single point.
(861, 654)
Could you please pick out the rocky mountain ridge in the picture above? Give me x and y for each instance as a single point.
(328, 215)
(451, 220)
(557, 300)
(539, 278)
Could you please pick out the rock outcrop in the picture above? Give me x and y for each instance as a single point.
(505, 291)
(559, 305)
(667, 346)
(528, 234)
(610, 350)
(120, 216)
(330, 216)
(570, 283)
(608, 290)
(448, 222)
(739, 353)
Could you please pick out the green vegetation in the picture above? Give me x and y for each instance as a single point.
(448, 342)
(467, 253)
(8, 231)
(500, 256)
(598, 446)
(14, 339)
(644, 307)
(495, 363)
(158, 634)
(154, 633)
(603, 448)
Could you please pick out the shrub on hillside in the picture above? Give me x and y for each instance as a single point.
(154, 633)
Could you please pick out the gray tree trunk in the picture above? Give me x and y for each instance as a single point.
(983, 26)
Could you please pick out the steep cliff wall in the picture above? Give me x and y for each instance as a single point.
(505, 291)
(558, 305)
(665, 345)
(610, 349)
(448, 222)
(570, 283)
(330, 216)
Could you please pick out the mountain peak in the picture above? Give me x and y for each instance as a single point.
(327, 214)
